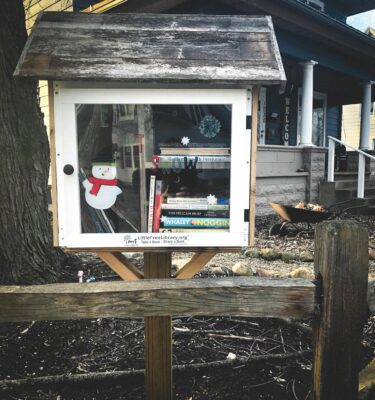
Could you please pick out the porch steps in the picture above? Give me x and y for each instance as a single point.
(345, 189)
(350, 193)
(370, 209)
(352, 184)
(349, 176)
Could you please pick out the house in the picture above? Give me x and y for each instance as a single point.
(328, 64)
(32, 9)
(370, 31)
(351, 118)
(351, 125)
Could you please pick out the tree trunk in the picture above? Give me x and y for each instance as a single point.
(26, 252)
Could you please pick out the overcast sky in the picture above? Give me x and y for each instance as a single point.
(363, 21)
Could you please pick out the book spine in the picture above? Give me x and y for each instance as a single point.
(191, 230)
(181, 206)
(151, 204)
(213, 223)
(194, 152)
(157, 207)
(193, 145)
(191, 164)
(187, 200)
(193, 159)
(197, 213)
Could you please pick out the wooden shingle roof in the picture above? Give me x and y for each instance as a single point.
(153, 48)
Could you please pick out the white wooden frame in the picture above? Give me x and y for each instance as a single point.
(68, 199)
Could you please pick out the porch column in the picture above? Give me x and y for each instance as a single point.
(365, 116)
(307, 103)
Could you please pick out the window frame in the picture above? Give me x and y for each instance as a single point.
(69, 218)
(316, 96)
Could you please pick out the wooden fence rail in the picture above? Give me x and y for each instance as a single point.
(337, 300)
(256, 297)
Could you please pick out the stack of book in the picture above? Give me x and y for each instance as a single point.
(189, 214)
(211, 156)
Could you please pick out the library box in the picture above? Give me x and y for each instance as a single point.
(151, 119)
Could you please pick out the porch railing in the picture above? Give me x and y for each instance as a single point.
(361, 164)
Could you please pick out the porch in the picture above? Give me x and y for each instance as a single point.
(288, 174)
(294, 127)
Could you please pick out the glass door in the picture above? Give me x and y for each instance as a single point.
(318, 119)
(154, 167)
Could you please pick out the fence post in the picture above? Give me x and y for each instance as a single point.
(158, 335)
(341, 265)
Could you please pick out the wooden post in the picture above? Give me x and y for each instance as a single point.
(341, 265)
(158, 335)
(51, 106)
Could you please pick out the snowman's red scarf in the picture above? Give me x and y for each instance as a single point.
(97, 183)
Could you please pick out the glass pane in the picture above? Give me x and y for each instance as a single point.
(154, 168)
(318, 122)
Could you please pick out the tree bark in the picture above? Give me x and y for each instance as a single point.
(26, 252)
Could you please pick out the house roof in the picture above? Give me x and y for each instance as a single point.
(357, 6)
(153, 49)
(291, 15)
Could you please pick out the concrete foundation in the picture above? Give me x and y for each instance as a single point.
(288, 175)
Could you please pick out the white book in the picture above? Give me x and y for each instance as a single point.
(201, 159)
(165, 206)
(203, 207)
(186, 200)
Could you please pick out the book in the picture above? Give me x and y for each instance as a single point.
(195, 158)
(179, 145)
(151, 204)
(197, 213)
(183, 206)
(186, 200)
(194, 162)
(192, 230)
(157, 207)
(186, 222)
(194, 151)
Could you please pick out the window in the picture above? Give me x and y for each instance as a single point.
(319, 120)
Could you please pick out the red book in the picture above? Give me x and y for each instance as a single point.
(150, 221)
(157, 205)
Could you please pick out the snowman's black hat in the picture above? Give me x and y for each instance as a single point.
(104, 157)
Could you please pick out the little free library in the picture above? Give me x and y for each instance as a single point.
(153, 129)
(153, 134)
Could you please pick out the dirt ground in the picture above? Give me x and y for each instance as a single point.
(30, 350)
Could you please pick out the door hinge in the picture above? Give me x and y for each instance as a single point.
(246, 216)
(249, 121)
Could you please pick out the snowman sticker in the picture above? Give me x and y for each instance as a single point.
(101, 189)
